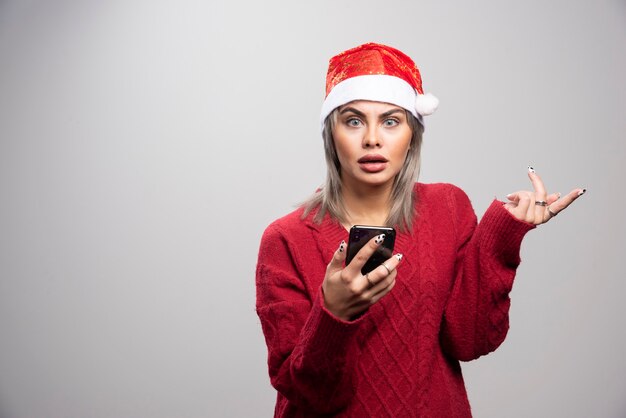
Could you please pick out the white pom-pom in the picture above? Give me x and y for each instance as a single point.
(426, 104)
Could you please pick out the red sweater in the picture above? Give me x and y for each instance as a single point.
(401, 358)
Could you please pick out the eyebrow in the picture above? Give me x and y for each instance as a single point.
(361, 114)
(353, 110)
(391, 112)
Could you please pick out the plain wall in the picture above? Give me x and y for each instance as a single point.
(145, 146)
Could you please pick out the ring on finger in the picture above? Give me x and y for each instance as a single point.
(386, 268)
(552, 214)
(367, 277)
(541, 203)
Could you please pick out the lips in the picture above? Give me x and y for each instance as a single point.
(372, 163)
(372, 158)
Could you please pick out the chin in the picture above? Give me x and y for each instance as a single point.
(377, 182)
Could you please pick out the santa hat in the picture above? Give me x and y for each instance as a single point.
(378, 73)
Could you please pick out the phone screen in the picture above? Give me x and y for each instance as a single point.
(360, 235)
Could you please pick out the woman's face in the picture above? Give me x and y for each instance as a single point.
(372, 140)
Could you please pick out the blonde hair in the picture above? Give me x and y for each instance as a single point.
(329, 198)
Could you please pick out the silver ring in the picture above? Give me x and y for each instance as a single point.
(386, 268)
(541, 203)
(552, 214)
(367, 277)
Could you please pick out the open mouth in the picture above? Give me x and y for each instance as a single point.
(371, 159)
(373, 163)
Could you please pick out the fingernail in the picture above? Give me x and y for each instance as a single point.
(399, 257)
(558, 195)
(531, 169)
(510, 195)
(379, 238)
(342, 246)
(582, 192)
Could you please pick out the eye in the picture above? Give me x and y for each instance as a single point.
(353, 122)
(390, 122)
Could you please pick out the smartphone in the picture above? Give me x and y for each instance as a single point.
(360, 235)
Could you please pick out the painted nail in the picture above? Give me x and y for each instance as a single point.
(399, 257)
(342, 246)
(379, 238)
(531, 169)
(582, 192)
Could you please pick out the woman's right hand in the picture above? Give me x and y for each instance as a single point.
(348, 293)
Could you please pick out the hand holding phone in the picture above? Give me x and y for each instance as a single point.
(352, 285)
(360, 235)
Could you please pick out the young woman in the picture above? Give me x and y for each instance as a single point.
(388, 343)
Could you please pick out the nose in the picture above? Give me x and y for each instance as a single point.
(372, 139)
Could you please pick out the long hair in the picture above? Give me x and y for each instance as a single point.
(329, 197)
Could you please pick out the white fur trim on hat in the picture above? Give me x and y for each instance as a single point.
(379, 88)
(376, 87)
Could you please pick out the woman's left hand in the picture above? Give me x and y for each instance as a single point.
(538, 207)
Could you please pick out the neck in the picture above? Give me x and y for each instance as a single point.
(367, 205)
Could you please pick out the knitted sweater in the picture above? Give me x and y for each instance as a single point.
(400, 358)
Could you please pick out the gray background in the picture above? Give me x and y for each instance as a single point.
(145, 145)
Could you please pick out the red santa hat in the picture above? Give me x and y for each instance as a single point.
(378, 73)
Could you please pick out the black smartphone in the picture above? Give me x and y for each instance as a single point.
(360, 235)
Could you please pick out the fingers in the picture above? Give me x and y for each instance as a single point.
(383, 279)
(380, 287)
(336, 263)
(380, 273)
(538, 207)
(540, 190)
(377, 296)
(561, 204)
(346, 291)
(553, 198)
(347, 296)
(541, 213)
(359, 260)
(522, 203)
(525, 206)
(371, 298)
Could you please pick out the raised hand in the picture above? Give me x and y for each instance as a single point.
(347, 292)
(537, 207)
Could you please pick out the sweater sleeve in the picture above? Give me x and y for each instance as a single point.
(308, 359)
(476, 316)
